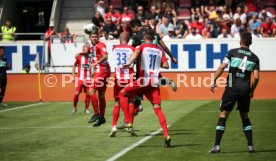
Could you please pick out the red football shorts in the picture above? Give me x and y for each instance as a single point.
(119, 85)
(100, 81)
(152, 93)
(83, 85)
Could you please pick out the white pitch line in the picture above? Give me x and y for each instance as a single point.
(21, 107)
(141, 141)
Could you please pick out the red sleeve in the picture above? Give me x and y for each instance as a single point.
(103, 49)
(77, 61)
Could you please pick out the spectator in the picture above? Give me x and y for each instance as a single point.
(227, 13)
(153, 13)
(163, 9)
(26, 69)
(236, 27)
(199, 26)
(224, 35)
(170, 34)
(98, 20)
(256, 34)
(115, 16)
(182, 31)
(268, 28)
(225, 24)
(212, 13)
(171, 15)
(240, 14)
(207, 35)
(263, 14)
(99, 7)
(164, 27)
(254, 24)
(110, 29)
(66, 36)
(50, 32)
(142, 16)
(251, 8)
(8, 31)
(126, 16)
(196, 12)
(124, 28)
(193, 35)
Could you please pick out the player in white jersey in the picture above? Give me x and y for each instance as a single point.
(123, 77)
(152, 57)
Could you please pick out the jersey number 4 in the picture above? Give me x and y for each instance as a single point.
(121, 57)
(243, 64)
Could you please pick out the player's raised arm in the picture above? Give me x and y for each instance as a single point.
(166, 49)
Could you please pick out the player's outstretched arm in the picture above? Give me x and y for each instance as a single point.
(254, 82)
(166, 49)
(132, 58)
(104, 58)
(218, 73)
(85, 51)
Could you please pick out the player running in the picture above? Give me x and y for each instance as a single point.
(123, 77)
(101, 69)
(84, 79)
(242, 63)
(151, 57)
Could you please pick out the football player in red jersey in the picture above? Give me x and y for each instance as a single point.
(101, 69)
(123, 77)
(84, 80)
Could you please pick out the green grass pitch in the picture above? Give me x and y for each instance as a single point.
(49, 132)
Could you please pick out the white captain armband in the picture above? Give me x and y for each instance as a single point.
(226, 60)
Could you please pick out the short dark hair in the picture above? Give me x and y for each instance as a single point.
(149, 35)
(94, 31)
(246, 38)
(2, 47)
(135, 22)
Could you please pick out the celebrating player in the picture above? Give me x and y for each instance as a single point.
(151, 57)
(242, 63)
(123, 53)
(84, 79)
(101, 70)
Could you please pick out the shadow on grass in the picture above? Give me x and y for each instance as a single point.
(257, 151)
(173, 146)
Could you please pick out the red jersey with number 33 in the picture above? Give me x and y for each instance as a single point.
(97, 51)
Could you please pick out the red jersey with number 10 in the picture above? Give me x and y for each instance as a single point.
(97, 51)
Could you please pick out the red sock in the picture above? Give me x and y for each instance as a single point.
(131, 112)
(115, 114)
(76, 99)
(162, 120)
(102, 106)
(87, 101)
(95, 104)
(124, 104)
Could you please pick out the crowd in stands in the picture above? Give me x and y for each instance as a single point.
(187, 19)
